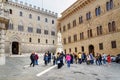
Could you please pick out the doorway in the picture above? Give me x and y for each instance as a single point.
(91, 50)
(15, 47)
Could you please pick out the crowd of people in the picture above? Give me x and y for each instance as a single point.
(70, 58)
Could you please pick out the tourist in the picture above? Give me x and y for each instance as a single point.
(109, 59)
(32, 58)
(45, 58)
(68, 58)
(36, 59)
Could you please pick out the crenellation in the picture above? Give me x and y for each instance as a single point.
(31, 7)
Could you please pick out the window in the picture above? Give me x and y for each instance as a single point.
(69, 39)
(69, 49)
(75, 37)
(38, 31)
(52, 33)
(52, 21)
(10, 10)
(46, 41)
(76, 49)
(38, 18)
(99, 30)
(101, 46)
(30, 16)
(109, 5)
(30, 39)
(10, 26)
(53, 41)
(38, 40)
(64, 40)
(82, 48)
(89, 33)
(113, 44)
(80, 20)
(74, 23)
(64, 28)
(81, 36)
(46, 32)
(21, 14)
(88, 15)
(112, 26)
(30, 29)
(46, 20)
(20, 28)
(98, 11)
(68, 26)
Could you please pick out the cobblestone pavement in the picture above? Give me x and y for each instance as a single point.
(15, 70)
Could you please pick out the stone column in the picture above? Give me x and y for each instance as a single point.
(2, 45)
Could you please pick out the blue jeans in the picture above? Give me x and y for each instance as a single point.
(68, 63)
(104, 61)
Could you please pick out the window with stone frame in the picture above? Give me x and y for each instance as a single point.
(64, 28)
(64, 40)
(53, 41)
(69, 39)
(38, 18)
(46, 41)
(109, 5)
(46, 32)
(81, 35)
(53, 21)
(113, 44)
(82, 48)
(30, 16)
(38, 30)
(53, 33)
(76, 49)
(75, 37)
(80, 19)
(46, 20)
(38, 40)
(89, 32)
(10, 26)
(74, 23)
(99, 30)
(21, 14)
(98, 11)
(30, 39)
(100, 46)
(88, 16)
(112, 26)
(30, 29)
(10, 11)
(20, 28)
(68, 26)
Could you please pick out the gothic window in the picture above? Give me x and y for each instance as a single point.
(10, 26)
(75, 37)
(89, 33)
(30, 16)
(38, 30)
(113, 26)
(53, 21)
(20, 28)
(69, 39)
(30, 29)
(109, 5)
(46, 32)
(88, 15)
(81, 35)
(21, 14)
(64, 40)
(46, 41)
(98, 11)
(74, 23)
(68, 26)
(64, 28)
(46, 20)
(53, 33)
(30, 39)
(38, 40)
(38, 18)
(80, 19)
(10, 10)
(99, 30)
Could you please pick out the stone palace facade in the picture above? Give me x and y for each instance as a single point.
(91, 26)
(30, 29)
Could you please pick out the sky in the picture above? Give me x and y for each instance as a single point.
(57, 6)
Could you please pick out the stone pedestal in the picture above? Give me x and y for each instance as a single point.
(59, 46)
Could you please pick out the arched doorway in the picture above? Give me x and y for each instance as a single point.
(91, 49)
(15, 48)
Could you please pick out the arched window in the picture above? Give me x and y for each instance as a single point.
(96, 11)
(113, 26)
(21, 14)
(99, 10)
(30, 39)
(109, 27)
(10, 26)
(38, 40)
(20, 26)
(46, 20)
(30, 16)
(10, 10)
(111, 4)
(52, 21)
(108, 6)
(38, 18)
